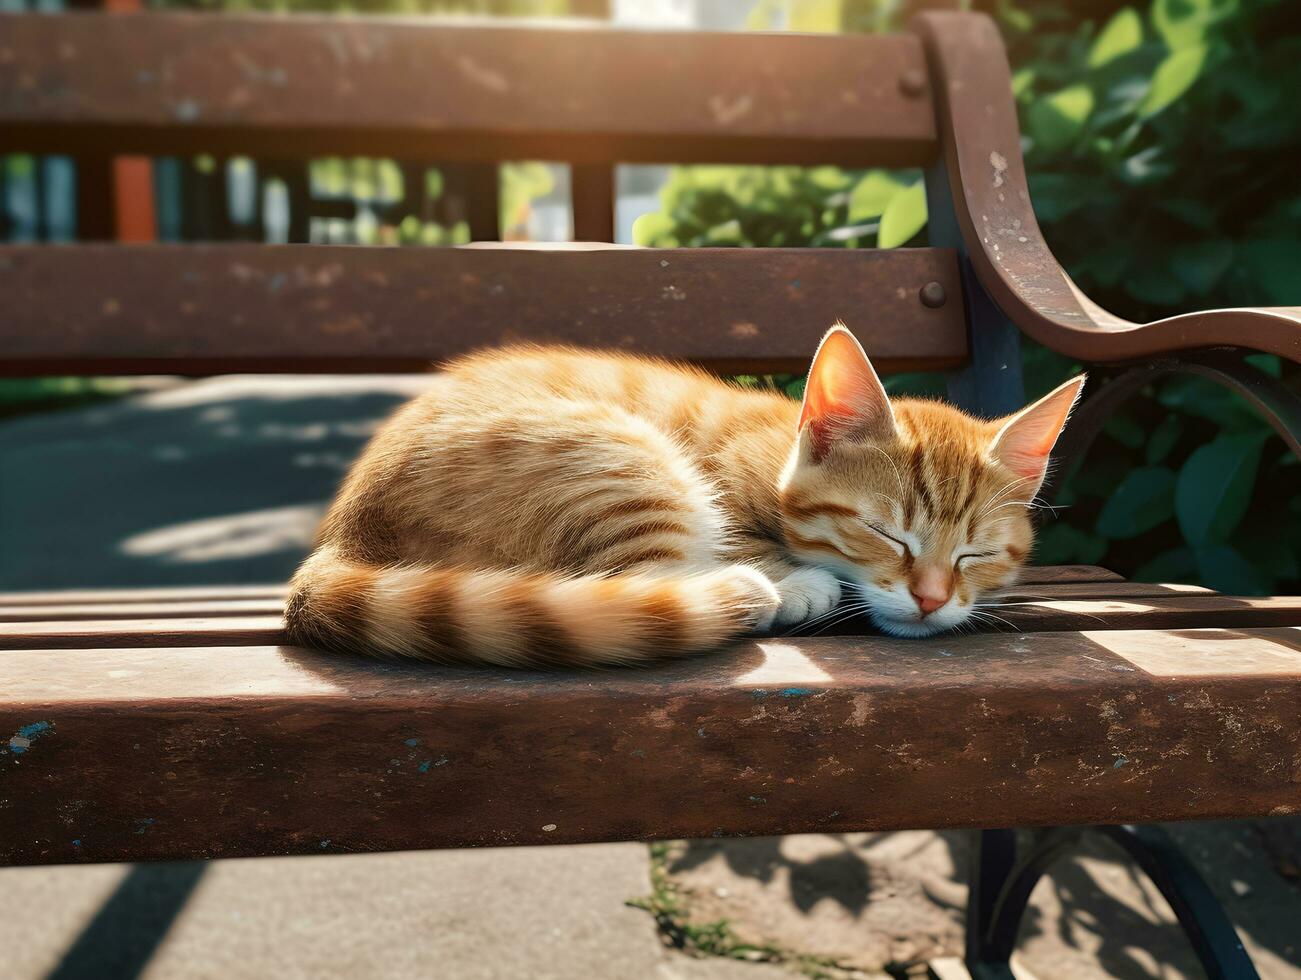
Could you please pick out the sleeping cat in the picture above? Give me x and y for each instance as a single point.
(552, 506)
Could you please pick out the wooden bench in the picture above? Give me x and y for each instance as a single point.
(173, 723)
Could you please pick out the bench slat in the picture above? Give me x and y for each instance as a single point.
(149, 632)
(272, 605)
(205, 593)
(210, 309)
(1129, 613)
(147, 594)
(1033, 591)
(196, 609)
(1156, 612)
(1069, 573)
(219, 752)
(179, 83)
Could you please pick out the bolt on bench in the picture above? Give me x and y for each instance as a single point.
(174, 723)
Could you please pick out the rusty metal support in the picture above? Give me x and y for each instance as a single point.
(1003, 876)
(1277, 402)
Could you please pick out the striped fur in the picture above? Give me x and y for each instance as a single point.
(515, 619)
(556, 507)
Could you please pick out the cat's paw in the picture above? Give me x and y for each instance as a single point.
(806, 594)
(750, 592)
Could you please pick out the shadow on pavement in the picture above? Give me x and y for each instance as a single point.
(119, 941)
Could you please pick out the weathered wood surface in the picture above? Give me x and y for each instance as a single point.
(167, 83)
(1049, 574)
(1068, 573)
(208, 309)
(162, 753)
(147, 627)
(154, 631)
(981, 142)
(1031, 591)
(155, 594)
(195, 609)
(136, 607)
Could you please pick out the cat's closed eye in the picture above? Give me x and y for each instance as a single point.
(895, 540)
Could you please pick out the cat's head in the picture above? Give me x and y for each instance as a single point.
(921, 508)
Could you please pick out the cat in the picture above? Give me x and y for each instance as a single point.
(550, 506)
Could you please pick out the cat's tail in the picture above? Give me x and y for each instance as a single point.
(520, 619)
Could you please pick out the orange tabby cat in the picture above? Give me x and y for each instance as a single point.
(545, 506)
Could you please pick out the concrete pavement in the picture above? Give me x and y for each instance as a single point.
(541, 913)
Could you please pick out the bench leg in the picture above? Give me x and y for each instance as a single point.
(1002, 879)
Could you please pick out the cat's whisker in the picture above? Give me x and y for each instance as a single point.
(897, 478)
(985, 614)
(1028, 505)
(841, 613)
(848, 616)
(1009, 488)
(890, 500)
(1078, 612)
(990, 620)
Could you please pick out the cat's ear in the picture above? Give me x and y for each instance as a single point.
(843, 398)
(1026, 439)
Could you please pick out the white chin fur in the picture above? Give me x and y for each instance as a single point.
(896, 614)
(910, 627)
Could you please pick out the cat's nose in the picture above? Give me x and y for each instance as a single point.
(928, 603)
(931, 591)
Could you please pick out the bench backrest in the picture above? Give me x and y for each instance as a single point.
(96, 85)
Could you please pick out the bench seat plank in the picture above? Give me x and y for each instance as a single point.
(211, 309)
(148, 594)
(1068, 573)
(164, 753)
(1035, 574)
(195, 609)
(142, 627)
(226, 84)
(204, 607)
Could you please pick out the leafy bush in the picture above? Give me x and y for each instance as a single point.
(1161, 148)
(821, 206)
(1161, 152)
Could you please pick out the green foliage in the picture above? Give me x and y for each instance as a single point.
(1161, 149)
(1215, 487)
(1123, 33)
(521, 184)
(1142, 500)
(1175, 192)
(18, 396)
(773, 206)
(904, 217)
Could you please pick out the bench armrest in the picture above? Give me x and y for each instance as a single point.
(981, 142)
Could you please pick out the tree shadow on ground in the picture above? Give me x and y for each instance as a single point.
(844, 877)
(199, 491)
(1245, 862)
